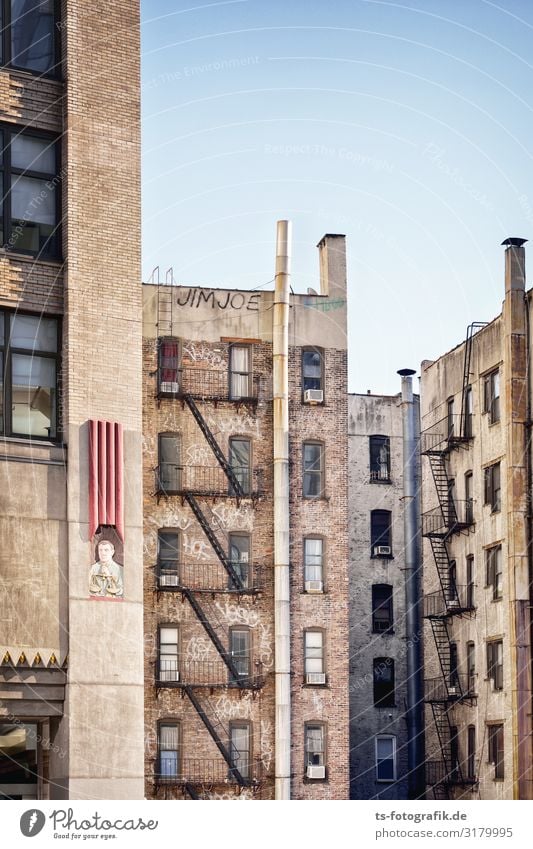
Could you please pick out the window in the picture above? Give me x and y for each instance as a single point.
(314, 564)
(30, 35)
(379, 458)
(471, 755)
(495, 663)
(492, 487)
(240, 740)
(240, 452)
(384, 682)
(385, 758)
(20, 759)
(380, 533)
(451, 510)
(239, 555)
(314, 657)
(454, 752)
(29, 364)
(382, 617)
(452, 581)
(240, 373)
(312, 369)
(450, 419)
(494, 571)
(168, 547)
(169, 463)
(469, 413)
(470, 581)
(454, 676)
(30, 164)
(169, 362)
(168, 654)
(169, 750)
(471, 667)
(469, 499)
(315, 750)
(240, 651)
(313, 470)
(491, 396)
(495, 749)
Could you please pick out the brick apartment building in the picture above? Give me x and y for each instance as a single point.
(378, 656)
(229, 714)
(71, 697)
(476, 420)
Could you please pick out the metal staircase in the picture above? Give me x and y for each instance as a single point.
(217, 731)
(236, 487)
(213, 539)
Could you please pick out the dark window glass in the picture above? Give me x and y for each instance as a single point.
(384, 682)
(470, 581)
(169, 463)
(168, 558)
(239, 555)
(495, 747)
(451, 420)
(380, 533)
(169, 750)
(454, 678)
(471, 666)
(469, 413)
(494, 571)
(469, 499)
(240, 748)
(315, 745)
(313, 470)
(454, 752)
(312, 370)
(382, 616)
(169, 361)
(33, 34)
(379, 458)
(493, 487)
(385, 758)
(19, 759)
(495, 663)
(239, 460)
(491, 400)
(471, 759)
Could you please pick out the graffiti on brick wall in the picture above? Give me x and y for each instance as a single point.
(238, 423)
(266, 743)
(198, 455)
(199, 648)
(243, 796)
(266, 654)
(220, 300)
(204, 354)
(231, 517)
(235, 615)
(196, 549)
(227, 709)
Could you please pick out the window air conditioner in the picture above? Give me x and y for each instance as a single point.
(382, 550)
(316, 771)
(452, 690)
(315, 678)
(313, 396)
(168, 580)
(314, 587)
(169, 386)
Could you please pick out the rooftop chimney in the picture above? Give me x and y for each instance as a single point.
(515, 264)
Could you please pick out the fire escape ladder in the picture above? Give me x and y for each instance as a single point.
(165, 302)
(437, 462)
(452, 771)
(443, 564)
(213, 539)
(467, 371)
(236, 487)
(217, 731)
(206, 621)
(442, 643)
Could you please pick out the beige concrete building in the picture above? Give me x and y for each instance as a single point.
(476, 419)
(71, 679)
(246, 605)
(378, 653)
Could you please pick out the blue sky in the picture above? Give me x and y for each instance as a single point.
(407, 127)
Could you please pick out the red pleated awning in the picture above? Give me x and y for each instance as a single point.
(106, 473)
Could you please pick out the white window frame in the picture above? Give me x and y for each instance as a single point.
(394, 758)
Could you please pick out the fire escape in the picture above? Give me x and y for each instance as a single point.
(202, 584)
(440, 525)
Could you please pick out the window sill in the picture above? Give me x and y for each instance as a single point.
(28, 441)
(386, 481)
(33, 75)
(386, 780)
(389, 632)
(316, 498)
(307, 780)
(54, 262)
(307, 686)
(382, 556)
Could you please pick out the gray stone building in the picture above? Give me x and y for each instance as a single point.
(378, 652)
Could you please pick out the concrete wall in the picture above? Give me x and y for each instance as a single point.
(375, 415)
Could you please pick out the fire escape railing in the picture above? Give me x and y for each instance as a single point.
(211, 385)
(184, 672)
(207, 481)
(210, 577)
(208, 771)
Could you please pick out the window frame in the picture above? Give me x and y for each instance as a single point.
(495, 668)
(241, 675)
(391, 737)
(8, 174)
(169, 723)
(178, 466)
(491, 401)
(375, 607)
(314, 350)
(235, 437)
(239, 724)
(375, 540)
(322, 656)
(165, 682)
(309, 725)
(471, 666)
(469, 413)
(495, 755)
(384, 441)
(494, 570)
(6, 389)
(314, 537)
(492, 488)
(164, 340)
(471, 744)
(387, 700)
(470, 581)
(56, 72)
(231, 371)
(176, 571)
(321, 472)
(246, 582)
